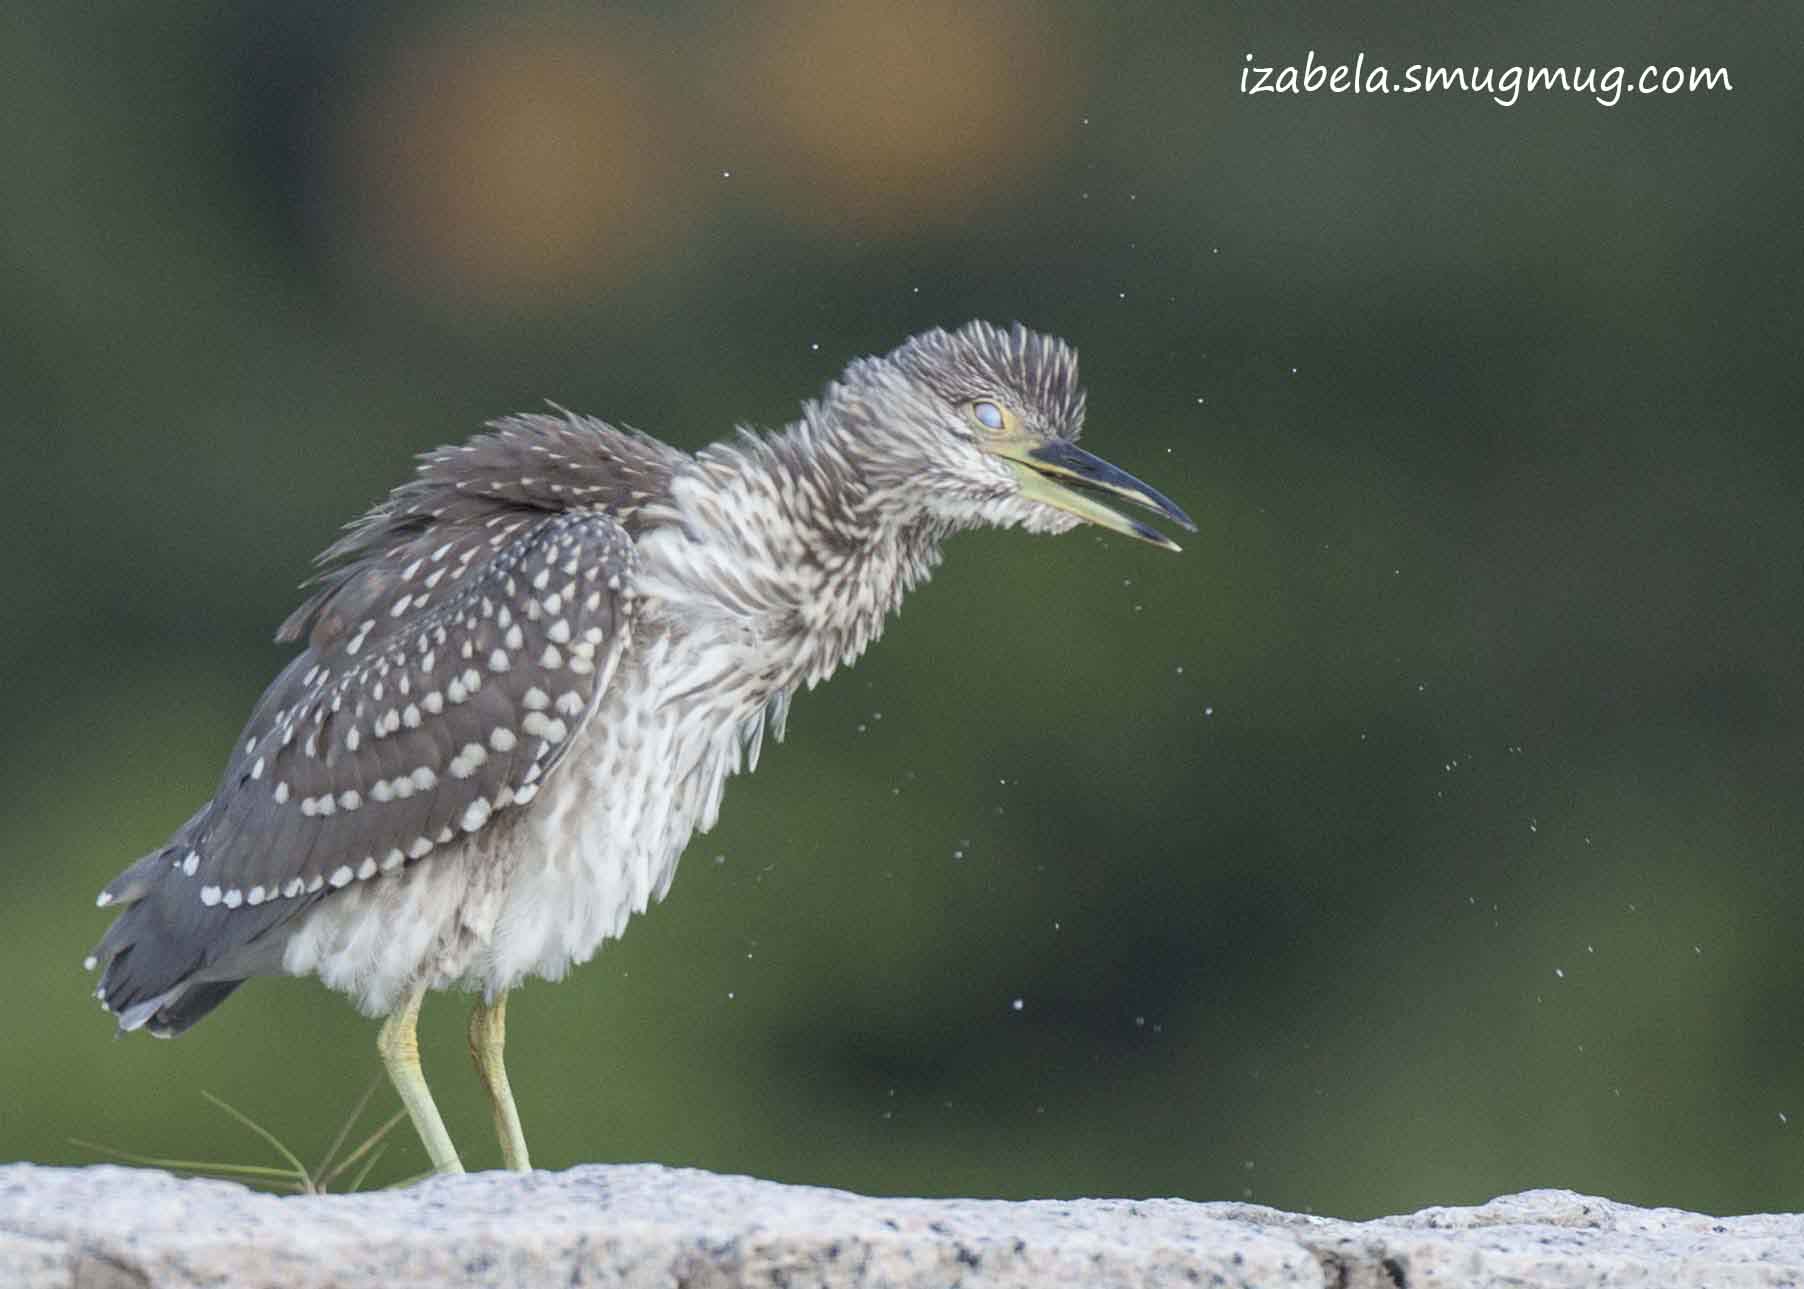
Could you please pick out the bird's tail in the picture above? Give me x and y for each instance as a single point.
(146, 980)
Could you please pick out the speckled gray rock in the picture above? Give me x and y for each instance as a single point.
(102, 1228)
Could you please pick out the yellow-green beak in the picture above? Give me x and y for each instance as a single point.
(1062, 475)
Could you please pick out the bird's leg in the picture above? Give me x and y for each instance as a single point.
(400, 1048)
(488, 1035)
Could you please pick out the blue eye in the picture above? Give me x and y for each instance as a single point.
(988, 415)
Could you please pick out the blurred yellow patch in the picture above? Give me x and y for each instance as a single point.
(899, 115)
(508, 161)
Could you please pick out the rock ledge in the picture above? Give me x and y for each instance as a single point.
(112, 1228)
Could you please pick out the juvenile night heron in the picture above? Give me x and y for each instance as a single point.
(530, 670)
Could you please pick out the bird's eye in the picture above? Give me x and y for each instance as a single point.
(988, 415)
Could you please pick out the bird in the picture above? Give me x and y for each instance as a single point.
(528, 672)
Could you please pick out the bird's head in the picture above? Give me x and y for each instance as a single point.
(980, 426)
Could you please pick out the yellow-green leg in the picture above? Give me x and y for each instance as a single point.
(488, 1035)
(400, 1049)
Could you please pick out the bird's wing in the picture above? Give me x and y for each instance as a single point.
(521, 464)
(424, 706)
(425, 709)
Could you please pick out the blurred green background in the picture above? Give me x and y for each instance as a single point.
(1429, 829)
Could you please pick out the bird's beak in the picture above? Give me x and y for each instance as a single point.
(1062, 475)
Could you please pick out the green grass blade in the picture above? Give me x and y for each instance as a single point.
(363, 1173)
(344, 1130)
(300, 1169)
(369, 1143)
(203, 1166)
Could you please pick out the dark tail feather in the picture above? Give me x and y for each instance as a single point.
(159, 963)
(168, 959)
(143, 968)
(189, 1006)
(148, 956)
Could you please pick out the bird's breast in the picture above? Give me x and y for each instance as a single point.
(604, 840)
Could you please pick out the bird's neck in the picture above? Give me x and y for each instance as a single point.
(777, 549)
